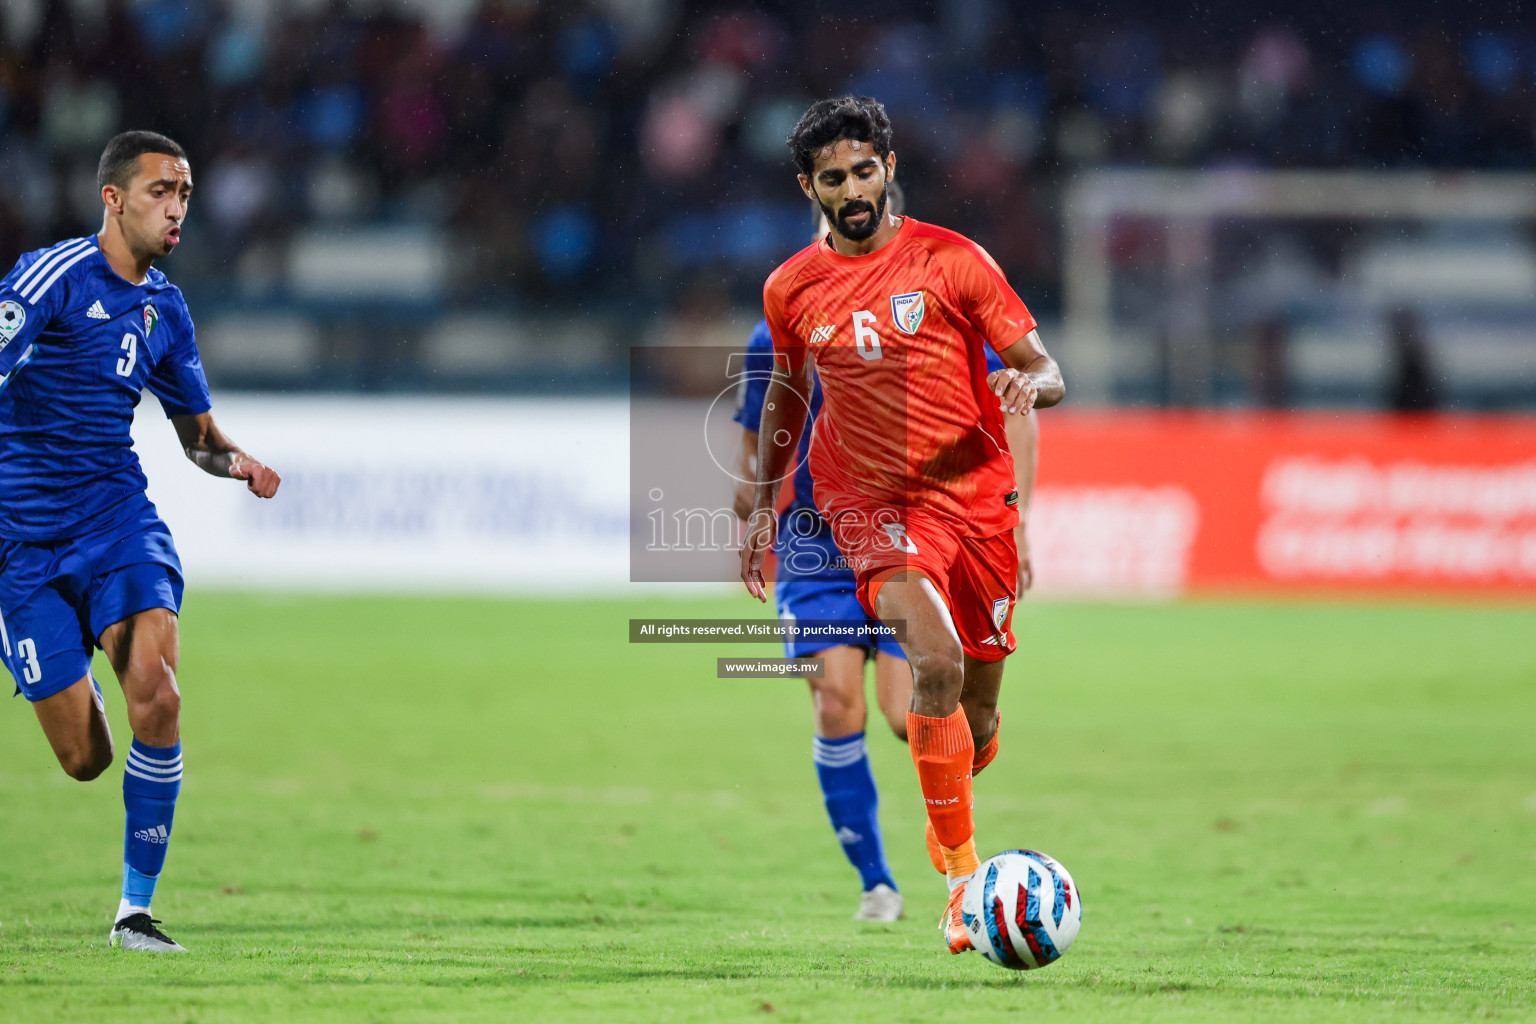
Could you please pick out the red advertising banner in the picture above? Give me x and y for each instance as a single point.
(1162, 503)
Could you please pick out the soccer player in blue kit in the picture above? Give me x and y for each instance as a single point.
(85, 561)
(813, 584)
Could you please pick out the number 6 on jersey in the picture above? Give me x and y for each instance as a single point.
(864, 337)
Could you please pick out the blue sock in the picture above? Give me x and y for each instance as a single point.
(842, 766)
(151, 780)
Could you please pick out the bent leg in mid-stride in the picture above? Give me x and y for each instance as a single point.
(937, 729)
(144, 650)
(951, 727)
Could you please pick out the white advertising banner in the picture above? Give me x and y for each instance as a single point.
(1112, 541)
(503, 494)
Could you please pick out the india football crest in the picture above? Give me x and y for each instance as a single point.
(999, 612)
(907, 310)
(12, 317)
(151, 318)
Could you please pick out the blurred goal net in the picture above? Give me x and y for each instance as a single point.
(1301, 288)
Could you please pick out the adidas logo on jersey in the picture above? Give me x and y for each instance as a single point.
(96, 312)
(822, 334)
(159, 834)
(848, 836)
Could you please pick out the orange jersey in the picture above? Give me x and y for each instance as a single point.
(907, 419)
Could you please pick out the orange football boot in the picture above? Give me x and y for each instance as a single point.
(952, 924)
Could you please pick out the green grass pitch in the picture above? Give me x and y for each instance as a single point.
(402, 810)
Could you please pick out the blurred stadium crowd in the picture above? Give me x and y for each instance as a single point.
(628, 156)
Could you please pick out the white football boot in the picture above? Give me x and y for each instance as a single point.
(138, 931)
(882, 903)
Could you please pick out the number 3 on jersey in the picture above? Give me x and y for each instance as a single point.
(26, 653)
(130, 347)
(864, 337)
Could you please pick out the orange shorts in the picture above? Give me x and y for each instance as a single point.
(977, 576)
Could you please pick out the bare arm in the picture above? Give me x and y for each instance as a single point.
(214, 453)
(1024, 442)
(746, 473)
(785, 408)
(1032, 379)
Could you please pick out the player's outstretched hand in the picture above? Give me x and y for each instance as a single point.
(761, 526)
(261, 480)
(1015, 390)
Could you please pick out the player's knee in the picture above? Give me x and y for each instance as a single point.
(937, 672)
(163, 709)
(158, 710)
(86, 763)
(836, 699)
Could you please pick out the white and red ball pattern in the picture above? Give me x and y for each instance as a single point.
(1021, 909)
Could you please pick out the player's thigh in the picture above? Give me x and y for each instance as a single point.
(135, 595)
(75, 723)
(914, 599)
(144, 648)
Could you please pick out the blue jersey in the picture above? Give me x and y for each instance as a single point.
(78, 344)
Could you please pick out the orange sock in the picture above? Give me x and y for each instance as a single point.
(943, 750)
(985, 755)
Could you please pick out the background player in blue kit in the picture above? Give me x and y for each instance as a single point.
(813, 583)
(85, 561)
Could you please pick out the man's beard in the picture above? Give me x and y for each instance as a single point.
(857, 234)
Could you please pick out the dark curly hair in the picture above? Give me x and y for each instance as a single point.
(846, 117)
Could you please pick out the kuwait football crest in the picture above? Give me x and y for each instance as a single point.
(12, 317)
(908, 311)
(151, 318)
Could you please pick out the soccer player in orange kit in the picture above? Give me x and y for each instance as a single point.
(909, 455)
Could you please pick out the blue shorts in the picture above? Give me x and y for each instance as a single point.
(828, 593)
(57, 599)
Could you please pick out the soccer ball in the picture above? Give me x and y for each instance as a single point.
(1021, 909)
